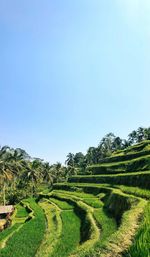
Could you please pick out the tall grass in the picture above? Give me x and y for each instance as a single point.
(141, 243)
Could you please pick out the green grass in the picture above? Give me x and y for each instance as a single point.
(7, 232)
(141, 243)
(78, 194)
(129, 153)
(144, 193)
(133, 165)
(19, 216)
(107, 225)
(86, 198)
(93, 202)
(53, 231)
(89, 232)
(140, 179)
(122, 238)
(21, 211)
(134, 191)
(26, 241)
(61, 204)
(70, 235)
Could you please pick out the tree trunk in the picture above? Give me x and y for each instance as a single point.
(4, 196)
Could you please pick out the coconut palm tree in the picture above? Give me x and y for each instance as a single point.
(6, 175)
(47, 173)
(70, 159)
(32, 173)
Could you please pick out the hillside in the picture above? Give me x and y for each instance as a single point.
(104, 212)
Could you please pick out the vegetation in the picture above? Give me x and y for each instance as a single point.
(53, 231)
(28, 237)
(141, 246)
(96, 205)
(141, 179)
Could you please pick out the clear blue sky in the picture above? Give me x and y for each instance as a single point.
(72, 71)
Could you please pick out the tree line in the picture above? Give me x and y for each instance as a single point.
(22, 176)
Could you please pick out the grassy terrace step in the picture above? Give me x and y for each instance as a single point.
(140, 179)
(69, 231)
(61, 204)
(143, 193)
(107, 225)
(26, 241)
(21, 214)
(89, 199)
(137, 164)
(131, 208)
(96, 188)
(122, 238)
(89, 232)
(132, 152)
(141, 243)
(53, 231)
(70, 236)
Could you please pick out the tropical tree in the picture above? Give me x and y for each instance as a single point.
(31, 174)
(92, 155)
(132, 137)
(6, 174)
(140, 134)
(147, 133)
(70, 159)
(47, 173)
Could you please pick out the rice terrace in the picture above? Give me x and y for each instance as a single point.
(79, 210)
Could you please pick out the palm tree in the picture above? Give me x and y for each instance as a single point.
(47, 173)
(70, 159)
(6, 174)
(132, 137)
(57, 172)
(31, 173)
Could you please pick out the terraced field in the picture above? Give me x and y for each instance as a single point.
(103, 213)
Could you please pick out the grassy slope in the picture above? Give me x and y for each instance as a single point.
(141, 242)
(140, 179)
(138, 150)
(143, 193)
(138, 164)
(26, 241)
(70, 226)
(53, 231)
(21, 211)
(130, 220)
(20, 215)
